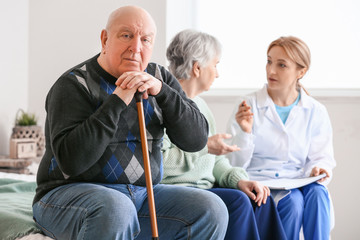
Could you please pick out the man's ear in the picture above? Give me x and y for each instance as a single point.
(104, 38)
(196, 69)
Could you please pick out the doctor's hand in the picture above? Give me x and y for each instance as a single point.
(244, 117)
(217, 146)
(316, 171)
(142, 81)
(249, 187)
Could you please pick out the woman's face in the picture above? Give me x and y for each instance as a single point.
(282, 73)
(208, 74)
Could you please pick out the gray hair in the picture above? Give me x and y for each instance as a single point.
(188, 47)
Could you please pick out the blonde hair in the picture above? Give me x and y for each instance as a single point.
(297, 50)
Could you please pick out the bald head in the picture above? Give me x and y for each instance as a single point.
(133, 13)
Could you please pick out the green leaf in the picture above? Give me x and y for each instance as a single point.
(25, 119)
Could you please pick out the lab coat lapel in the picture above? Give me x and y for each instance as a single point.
(267, 105)
(297, 110)
(273, 116)
(293, 113)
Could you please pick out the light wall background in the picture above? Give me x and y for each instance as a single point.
(246, 28)
(40, 39)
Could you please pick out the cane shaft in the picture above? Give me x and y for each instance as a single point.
(147, 169)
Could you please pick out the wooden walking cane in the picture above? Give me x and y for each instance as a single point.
(147, 169)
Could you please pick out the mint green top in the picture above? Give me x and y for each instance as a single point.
(199, 169)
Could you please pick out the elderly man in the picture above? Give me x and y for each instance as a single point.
(91, 182)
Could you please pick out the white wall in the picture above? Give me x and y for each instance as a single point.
(329, 27)
(345, 117)
(180, 15)
(13, 65)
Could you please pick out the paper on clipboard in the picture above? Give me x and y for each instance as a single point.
(290, 183)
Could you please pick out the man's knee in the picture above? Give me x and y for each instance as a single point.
(114, 211)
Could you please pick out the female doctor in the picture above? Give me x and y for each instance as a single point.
(284, 133)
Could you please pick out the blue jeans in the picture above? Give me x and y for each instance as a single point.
(309, 207)
(247, 220)
(119, 211)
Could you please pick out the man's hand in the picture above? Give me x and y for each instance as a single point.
(244, 117)
(316, 171)
(126, 94)
(217, 146)
(142, 81)
(248, 187)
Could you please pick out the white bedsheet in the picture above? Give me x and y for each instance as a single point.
(23, 177)
(36, 236)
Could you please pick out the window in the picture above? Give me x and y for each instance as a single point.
(331, 28)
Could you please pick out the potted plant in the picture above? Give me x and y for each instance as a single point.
(26, 127)
(25, 119)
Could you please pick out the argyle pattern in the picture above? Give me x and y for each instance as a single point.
(122, 161)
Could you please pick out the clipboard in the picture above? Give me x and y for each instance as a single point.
(290, 183)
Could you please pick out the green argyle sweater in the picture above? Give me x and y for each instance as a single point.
(93, 136)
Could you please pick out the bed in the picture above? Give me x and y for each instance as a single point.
(16, 195)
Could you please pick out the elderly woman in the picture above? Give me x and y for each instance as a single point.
(284, 133)
(193, 58)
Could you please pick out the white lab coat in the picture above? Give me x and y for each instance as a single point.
(276, 150)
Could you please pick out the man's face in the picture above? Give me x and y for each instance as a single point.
(128, 44)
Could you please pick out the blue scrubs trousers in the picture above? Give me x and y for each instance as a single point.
(247, 220)
(309, 207)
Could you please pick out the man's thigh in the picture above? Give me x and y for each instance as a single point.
(83, 208)
(184, 212)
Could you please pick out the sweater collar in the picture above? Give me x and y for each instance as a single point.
(104, 74)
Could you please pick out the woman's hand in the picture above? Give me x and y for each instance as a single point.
(249, 187)
(316, 171)
(217, 146)
(244, 117)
